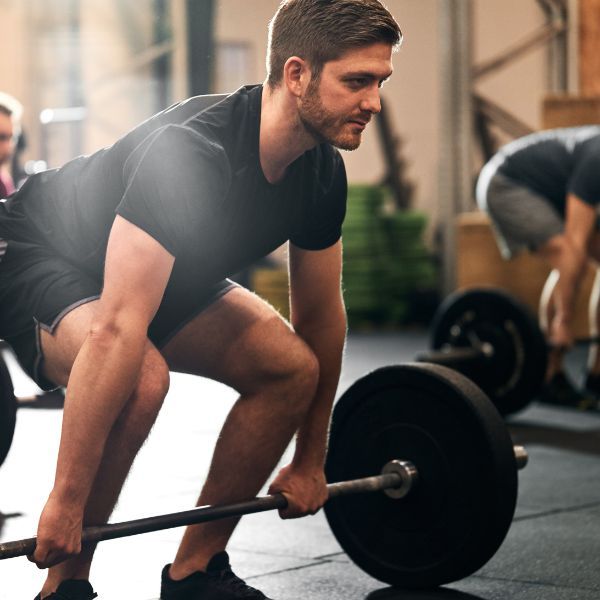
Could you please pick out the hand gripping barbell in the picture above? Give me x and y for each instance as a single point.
(433, 443)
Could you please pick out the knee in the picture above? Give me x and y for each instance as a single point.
(153, 384)
(303, 370)
(290, 368)
(296, 387)
(148, 396)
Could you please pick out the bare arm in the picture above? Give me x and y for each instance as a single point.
(102, 379)
(319, 317)
(570, 263)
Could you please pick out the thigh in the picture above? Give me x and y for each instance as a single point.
(59, 348)
(238, 339)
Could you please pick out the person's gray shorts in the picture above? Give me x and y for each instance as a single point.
(521, 219)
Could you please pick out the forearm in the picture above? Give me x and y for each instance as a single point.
(327, 342)
(102, 379)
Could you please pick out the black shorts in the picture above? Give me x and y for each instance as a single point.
(38, 288)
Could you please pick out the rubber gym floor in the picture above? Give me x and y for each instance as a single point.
(552, 551)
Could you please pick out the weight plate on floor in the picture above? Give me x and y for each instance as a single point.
(515, 373)
(8, 411)
(460, 510)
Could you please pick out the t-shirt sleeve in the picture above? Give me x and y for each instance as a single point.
(322, 222)
(173, 181)
(585, 180)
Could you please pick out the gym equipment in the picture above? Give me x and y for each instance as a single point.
(494, 340)
(430, 440)
(8, 411)
(459, 512)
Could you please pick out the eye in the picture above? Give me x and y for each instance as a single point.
(356, 82)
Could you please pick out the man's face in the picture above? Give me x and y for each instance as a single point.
(337, 107)
(6, 138)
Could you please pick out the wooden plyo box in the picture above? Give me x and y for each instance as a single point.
(563, 110)
(479, 263)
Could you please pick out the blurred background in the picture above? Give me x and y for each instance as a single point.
(470, 76)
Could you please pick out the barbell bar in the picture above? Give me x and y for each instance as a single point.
(397, 478)
(396, 475)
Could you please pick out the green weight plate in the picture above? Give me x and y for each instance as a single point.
(458, 514)
(8, 411)
(515, 373)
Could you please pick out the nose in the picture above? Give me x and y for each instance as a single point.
(372, 101)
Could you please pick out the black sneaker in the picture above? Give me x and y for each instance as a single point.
(219, 582)
(559, 391)
(592, 384)
(71, 589)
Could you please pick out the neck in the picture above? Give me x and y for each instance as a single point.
(283, 138)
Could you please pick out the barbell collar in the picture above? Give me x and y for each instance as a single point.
(407, 474)
(521, 456)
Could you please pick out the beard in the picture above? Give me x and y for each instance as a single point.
(324, 125)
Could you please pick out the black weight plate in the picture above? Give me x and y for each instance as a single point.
(8, 411)
(515, 374)
(457, 516)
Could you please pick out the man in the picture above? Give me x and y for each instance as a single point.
(121, 300)
(10, 114)
(542, 194)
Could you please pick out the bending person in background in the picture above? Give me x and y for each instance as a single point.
(10, 117)
(542, 193)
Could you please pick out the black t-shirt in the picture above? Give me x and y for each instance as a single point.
(191, 178)
(556, 162)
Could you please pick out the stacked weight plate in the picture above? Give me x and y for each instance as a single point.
(385, 260)
(363, 267)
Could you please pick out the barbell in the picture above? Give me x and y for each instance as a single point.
(494, 340)
(433, 443)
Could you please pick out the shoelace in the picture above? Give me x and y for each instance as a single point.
(237, 584)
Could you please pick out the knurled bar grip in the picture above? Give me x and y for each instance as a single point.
(204, 513)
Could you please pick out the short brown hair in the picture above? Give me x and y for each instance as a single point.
(322, 30)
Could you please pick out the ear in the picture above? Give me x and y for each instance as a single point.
(296, 75)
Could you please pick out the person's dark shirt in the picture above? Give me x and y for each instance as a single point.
(556, 162)
(191, 178)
